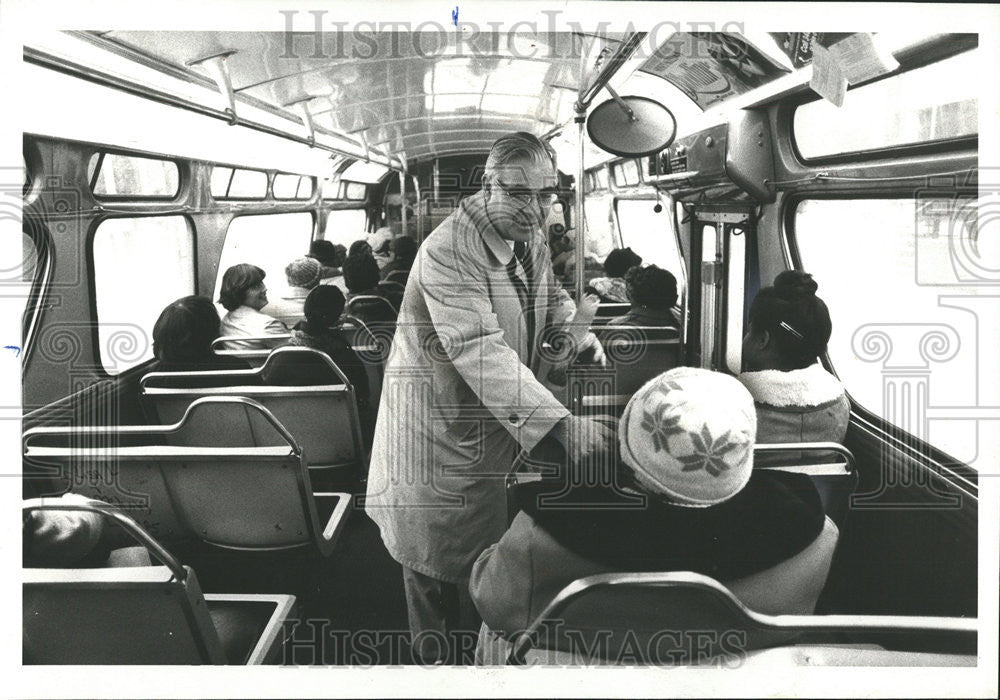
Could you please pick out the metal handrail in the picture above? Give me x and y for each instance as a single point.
(836, 447)
(255, 372)
(163, 429)
(128, 524)
(775, 623)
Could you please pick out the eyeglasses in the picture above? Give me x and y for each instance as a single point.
(523, 196)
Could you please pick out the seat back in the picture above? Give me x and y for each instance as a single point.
(829, 465)
(398, 276)
(236, 496)
(393, 291)
(370, 307)
(130, 615)
(133, 615)
(683, 617)
(254, 349)
(324, 418)
(639, 353)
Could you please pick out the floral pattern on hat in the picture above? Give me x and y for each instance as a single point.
(710, 453)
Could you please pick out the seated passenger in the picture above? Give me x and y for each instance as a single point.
(685, 498)
(183, 335)
(360, 247)
(797, 400)
(323, 307)
(403, 252)
(331, 257)
(244, 295)
(612, 289)
(71, 538)
(303, 275)
(380, 242)
(653, 294)
(362, 278)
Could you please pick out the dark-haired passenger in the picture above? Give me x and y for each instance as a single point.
(244, 295)
(612, 288)
(330, 256)
(403, 251)
(361, 274)
(797, 400)
(653, 294)
(183, 335)
(323, 307)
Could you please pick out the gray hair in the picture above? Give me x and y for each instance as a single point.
(517, 147)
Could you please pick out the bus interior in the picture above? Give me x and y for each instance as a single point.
(188, 152)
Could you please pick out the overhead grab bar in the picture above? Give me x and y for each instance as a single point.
(215, 66)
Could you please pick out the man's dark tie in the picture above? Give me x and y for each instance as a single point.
(523, 254)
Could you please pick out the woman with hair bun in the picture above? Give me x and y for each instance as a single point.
(797, 400)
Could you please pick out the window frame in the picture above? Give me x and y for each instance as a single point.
(235, 168)
(890, 152)
(913, 447)
(183, 177)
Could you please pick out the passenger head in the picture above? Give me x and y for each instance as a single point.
(359, 248)
(687, 437)
(789, 326)
(243, 285)
(619, 261)
(304, 272)
(404, 248)
(380, 240)
(323, 307)
(360, 273)
(520, 169)
(326, 253)
(651, 286)
(185, 330)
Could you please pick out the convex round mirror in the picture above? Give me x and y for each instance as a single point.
(649, 128)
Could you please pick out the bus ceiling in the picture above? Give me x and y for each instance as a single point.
(387, 98)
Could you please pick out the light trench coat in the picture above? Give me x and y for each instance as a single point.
(460, 395)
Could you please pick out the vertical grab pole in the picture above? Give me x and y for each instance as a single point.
(581, 116)
(402, 200)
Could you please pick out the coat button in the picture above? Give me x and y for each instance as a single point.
(513, 418)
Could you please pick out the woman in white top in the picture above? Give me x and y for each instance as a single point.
(244, 295)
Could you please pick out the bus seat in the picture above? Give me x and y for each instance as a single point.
(609, 310)
(398, 276)
(324, 419)
(371, 308)
(153, 614)
(683, 617)
(250, 496)
(829, 465)
(635, 354)
(260, 346)
(392, 291)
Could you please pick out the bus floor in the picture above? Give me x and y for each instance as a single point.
(351, 608)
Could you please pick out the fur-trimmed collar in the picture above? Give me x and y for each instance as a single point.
(811, 386)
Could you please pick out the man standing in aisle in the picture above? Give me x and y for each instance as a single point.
(461, 397)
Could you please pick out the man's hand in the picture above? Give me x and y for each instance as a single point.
(582, 437)
(592, 345)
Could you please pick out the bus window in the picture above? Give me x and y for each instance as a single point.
(346, 226)
(113, 175)
(269, 241)
(248, 184)
(600, 237)
(901, 278)
(291, 186)
(935, 102)
(149, 259)
(650, 235)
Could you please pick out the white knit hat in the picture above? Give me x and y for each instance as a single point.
(688, 434)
